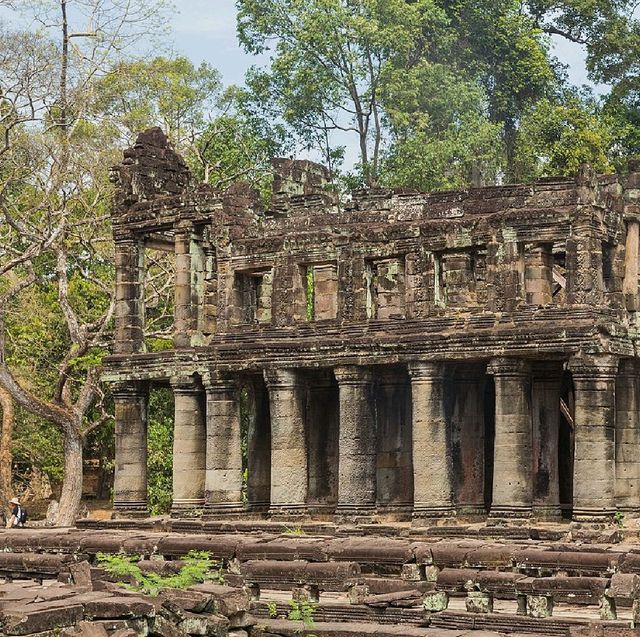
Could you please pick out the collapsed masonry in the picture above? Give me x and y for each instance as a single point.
(404, 355)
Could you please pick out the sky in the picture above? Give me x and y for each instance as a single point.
(204, 30)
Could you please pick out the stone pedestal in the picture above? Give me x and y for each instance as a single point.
(432, 474)
(357, 461)
(288, 443)
(627, 436)
(130, 479)
(189, 448)
(223, 486)
(512, 467)
(594, 468)
(546, 395)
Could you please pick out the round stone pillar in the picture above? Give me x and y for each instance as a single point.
(189, 448)
(223, 483)
(357, 446)
(513, 463)
(130, 475)
(288, 443)
(594, 380)
(432, 475)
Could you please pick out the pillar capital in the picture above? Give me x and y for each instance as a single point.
(352, 375)
(591, 366)
(629, 367)
(129, 389)
(281, 378)
(508, 367)
(219, 382)
(426, 370)
(185, 385)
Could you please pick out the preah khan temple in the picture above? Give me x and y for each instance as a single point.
(396, 357)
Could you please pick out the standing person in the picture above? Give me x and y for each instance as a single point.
(18, 514)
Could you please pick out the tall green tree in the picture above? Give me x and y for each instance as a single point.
(329, 58)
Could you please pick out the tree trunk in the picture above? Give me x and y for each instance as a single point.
(71, 481)
(6, 436)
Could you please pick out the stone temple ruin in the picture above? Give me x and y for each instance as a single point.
(402, 356)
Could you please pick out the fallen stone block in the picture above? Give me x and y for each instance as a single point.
(227, 601)
(213, 625)
(404, 599)
(539, 606)
(118, 608)
(477, 602)
(624, 586)
(87, 629)
(38, 618)
(436, 601)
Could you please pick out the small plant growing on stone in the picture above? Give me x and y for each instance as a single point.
(272, 609)
(295, 530)
(198, 567)
(618, 518)
(302, 611)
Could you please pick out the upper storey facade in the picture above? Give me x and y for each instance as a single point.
(547, 269)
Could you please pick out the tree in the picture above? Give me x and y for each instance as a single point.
(329, 58)
(53, 200)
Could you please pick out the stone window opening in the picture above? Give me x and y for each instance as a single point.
(158, 265)
(386, 288)
(608, 269)
(458, 277)
(255, 291)
(320, 292)
(559, 276)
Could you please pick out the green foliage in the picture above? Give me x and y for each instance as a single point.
(618, 518)
(160, 451)
(302, 611)
(272, 609)
(555, 138)
(294, 530)
(198, 567)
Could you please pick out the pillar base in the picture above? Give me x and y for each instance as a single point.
(551, 512)
(134, 509)
(359, 513)
(428, 515)
(286, 511)
(509, 514)
(471, 511)
(593, 516)
(187, 508)
(219, 510)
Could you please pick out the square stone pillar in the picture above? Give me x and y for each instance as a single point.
(357, 451)
(129, 310)
(546, 395)
(512, 465)
(628, 436)
(594, 379)
(183, 311)
(432, 467)
(631, 257)
(189, 448)
(538, 278)
(130, 477)
(223, 484)
(289, 478)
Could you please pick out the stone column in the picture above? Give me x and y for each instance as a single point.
(546, 394)
(183, 312)
(223, 485)
(627, 436)
(357, 443)
(631, 253)
(130, 479)
(432, 468)
(288, 442)
(189, 448)
(467, 439)
(538, 277)
(594, 379)
(512, 465)
(129, 311)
